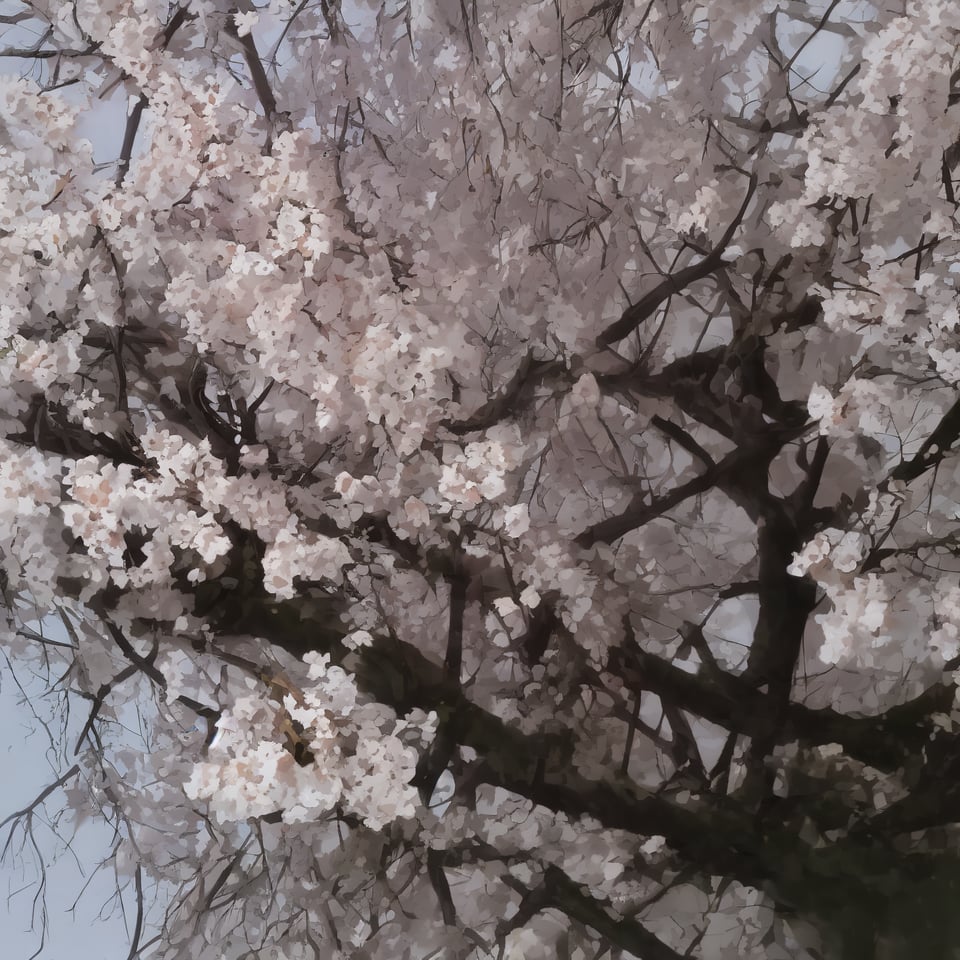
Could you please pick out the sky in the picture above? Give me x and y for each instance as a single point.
(94, 929)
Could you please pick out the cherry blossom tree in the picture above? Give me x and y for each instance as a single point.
(505, 453)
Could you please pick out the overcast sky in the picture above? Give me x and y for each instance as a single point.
(95, 929)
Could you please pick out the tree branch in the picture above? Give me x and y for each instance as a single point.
(647, 305)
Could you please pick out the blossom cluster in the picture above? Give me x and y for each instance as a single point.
(355, 754)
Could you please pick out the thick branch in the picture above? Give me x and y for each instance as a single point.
(748, 461)
(441, 886)
(259, 76)
(511, 399)
(640, 513)
(675, 283)
(536, 766)
(934, 448)
(885, 741)
(561, 893)
(136, 114)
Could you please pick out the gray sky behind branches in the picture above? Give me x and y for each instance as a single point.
(83, 927)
